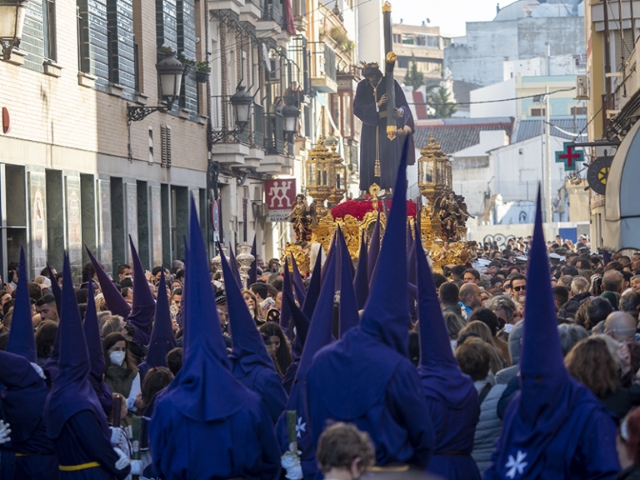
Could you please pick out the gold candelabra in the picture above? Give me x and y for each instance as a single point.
(319, 175)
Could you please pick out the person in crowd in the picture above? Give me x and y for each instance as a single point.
(591, 363)
(469, 298)
(252, 304)
(518, 287)
(471, 275)
(449, 295)
(628, 446)
(570, 335)
(121, 373)
(344, 452)
(630, 303)
(578, 293)
(621, 326)
(490, 319)
(174, 360)
(280, 344)
(481, 330)
(45, 338)
(474, 358)
(597, 311)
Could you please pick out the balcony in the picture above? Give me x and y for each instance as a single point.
(251, 11)
(271, 20)
(226, 5)
(323, 68)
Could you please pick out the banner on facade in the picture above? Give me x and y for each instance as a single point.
(280, 197)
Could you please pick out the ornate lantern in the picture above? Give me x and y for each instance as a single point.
(338, 178)
(12, 17)
(319, 175)
(434, 171)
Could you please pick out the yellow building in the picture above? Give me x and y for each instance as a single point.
(613, 106)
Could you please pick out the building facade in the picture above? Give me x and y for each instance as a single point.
(73, 170)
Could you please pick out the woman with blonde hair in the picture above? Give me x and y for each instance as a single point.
(481, 330)
(252, 304)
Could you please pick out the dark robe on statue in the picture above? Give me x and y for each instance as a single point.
(374, 124)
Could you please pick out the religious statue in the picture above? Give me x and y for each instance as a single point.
(303, 217)
(452, 212)
(380, 156)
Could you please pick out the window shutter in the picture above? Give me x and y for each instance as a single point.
(165, 133)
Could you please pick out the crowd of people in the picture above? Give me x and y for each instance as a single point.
(523, 363)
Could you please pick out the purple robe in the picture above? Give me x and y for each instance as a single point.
(374, 125)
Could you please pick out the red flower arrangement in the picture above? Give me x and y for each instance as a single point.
(359, 208)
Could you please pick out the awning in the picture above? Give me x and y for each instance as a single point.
(622, 197)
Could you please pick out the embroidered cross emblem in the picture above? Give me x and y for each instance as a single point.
(300, 427)
(516, 465)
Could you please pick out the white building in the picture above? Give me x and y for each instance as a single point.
(525, 29)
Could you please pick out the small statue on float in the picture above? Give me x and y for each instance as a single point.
(303, 218)
(452, 212)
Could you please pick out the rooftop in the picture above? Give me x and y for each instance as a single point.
(455, 134)
(566, 128)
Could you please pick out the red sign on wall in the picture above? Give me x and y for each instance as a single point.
(280, 196)
(6, 120)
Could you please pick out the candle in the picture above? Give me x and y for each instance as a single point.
(245, 201)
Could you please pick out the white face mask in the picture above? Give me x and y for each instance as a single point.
(117, 358)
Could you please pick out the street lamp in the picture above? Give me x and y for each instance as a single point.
(12, 15)
(241, 102)
(170, 72)
(290, 114)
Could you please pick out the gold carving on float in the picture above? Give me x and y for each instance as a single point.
(442, 219)
(392, 131)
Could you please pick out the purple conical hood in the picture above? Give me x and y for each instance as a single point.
(234, 266)
(204, 389)
(300, 321)
(96, 354)
(386, 315)
(409, 238)
(112, 296)
(298, 283)
(320, 328)
(92, 335)
(540, 366)
(144, 305)
(349, 317)
(71, 392)
(253, 270)
(438, 369)
(248, 347)
(332, 253)
(162, 338)
(21, 339)
(314, 287)
(361, 279)
(285, 313)
(374, 249)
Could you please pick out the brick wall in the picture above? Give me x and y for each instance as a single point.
(49, 113)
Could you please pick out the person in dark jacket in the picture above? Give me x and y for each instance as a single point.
(579, 293)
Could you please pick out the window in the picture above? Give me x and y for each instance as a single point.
(578, 110)
(397, 38)
(421, 40)
(433, 41)
(49, 29)
(538, 112)
(407, 40)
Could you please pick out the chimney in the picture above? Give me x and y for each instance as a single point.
(497, 8)
(423, 24)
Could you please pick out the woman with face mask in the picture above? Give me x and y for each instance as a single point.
(120, 373)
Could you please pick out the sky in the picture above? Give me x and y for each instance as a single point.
(449, 15)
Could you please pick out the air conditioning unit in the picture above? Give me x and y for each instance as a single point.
(582, 88)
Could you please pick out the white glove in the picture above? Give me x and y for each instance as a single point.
(290, 461)
(137, 467)
(5, 430)
(39, 370)
(117, 436)
(123, 461)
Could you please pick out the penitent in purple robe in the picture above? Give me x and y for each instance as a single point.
(554, 427)
(386, 401)
(374, 142)
(451, 395)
